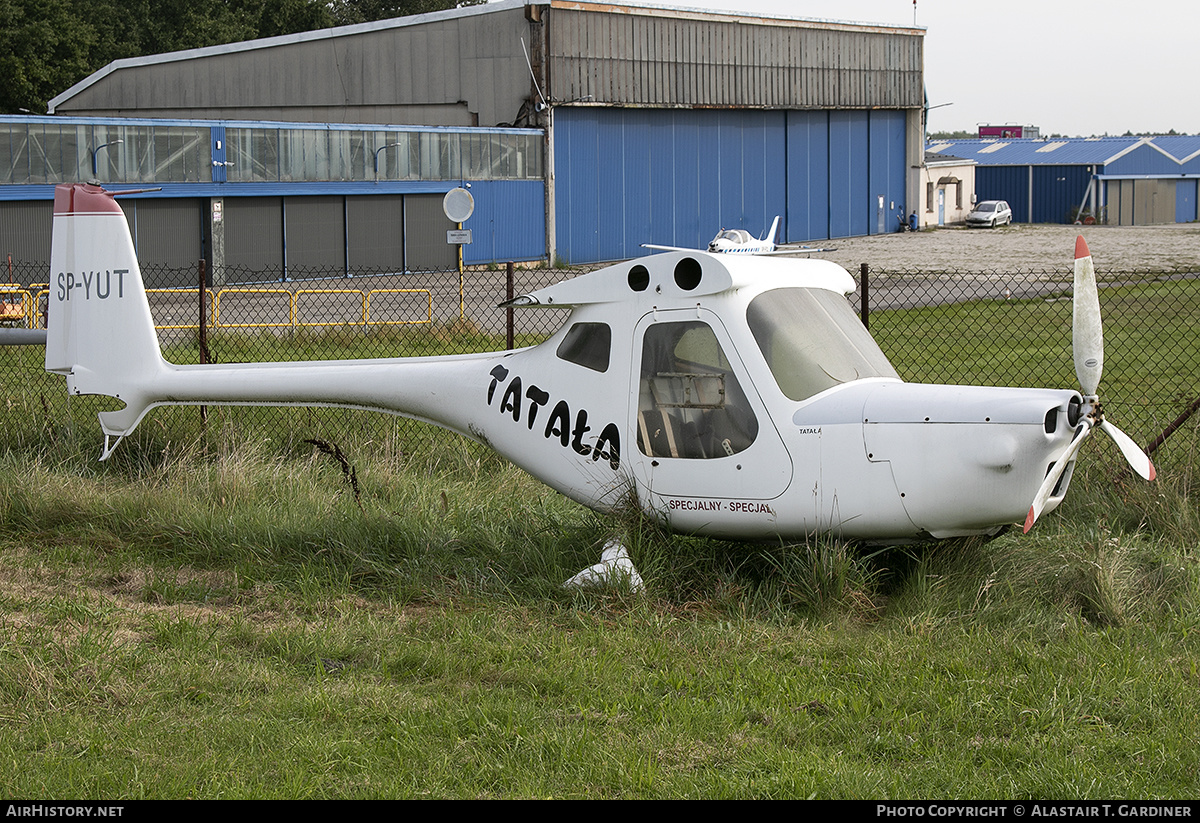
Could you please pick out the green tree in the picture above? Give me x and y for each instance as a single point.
(53, 44)
(349, 12)
(46, 51)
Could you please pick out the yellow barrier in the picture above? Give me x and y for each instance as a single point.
(428, 309)
(362, 312)
(364, 319)
(223, 292)
(31, 301)
(191, 294)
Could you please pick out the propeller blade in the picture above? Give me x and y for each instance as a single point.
(1138, 460)
(1087, 338)
(1053, 476)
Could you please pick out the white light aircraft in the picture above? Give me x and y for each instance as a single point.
(739, 241)
(732, 396)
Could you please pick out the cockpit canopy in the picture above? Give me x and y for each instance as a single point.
(739, 236)
(812, 341)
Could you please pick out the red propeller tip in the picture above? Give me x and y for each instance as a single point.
(1028, 521)
(1081, 248)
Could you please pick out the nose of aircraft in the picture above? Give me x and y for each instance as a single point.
(968, 459)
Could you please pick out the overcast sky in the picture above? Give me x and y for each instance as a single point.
(1073, 68)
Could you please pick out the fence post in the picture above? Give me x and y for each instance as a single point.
(508, 273)
(864, 292)
(202, 340)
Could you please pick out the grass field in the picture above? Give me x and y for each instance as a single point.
(218, 614)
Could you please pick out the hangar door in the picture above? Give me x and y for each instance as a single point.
(624, 177)
(25, 232)
(846, 173)
(1143, 202)
(169, 237)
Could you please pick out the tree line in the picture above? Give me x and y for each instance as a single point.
(47, 46)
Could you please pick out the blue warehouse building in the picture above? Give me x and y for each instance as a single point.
(584, 131)
(1123, 181)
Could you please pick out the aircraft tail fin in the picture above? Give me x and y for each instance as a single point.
(100, 333)
(771, 238)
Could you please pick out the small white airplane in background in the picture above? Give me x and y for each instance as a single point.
(728, 395)
(740, 241)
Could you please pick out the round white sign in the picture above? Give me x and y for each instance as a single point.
(458, 204)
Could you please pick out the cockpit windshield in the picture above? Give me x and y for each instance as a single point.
(812, 340)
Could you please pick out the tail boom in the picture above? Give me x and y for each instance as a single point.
(101, 337)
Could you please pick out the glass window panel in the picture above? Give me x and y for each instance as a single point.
(254, 154)
(812, 340)
(690, 402)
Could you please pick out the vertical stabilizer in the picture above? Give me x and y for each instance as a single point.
(100, 333)
(771, 235)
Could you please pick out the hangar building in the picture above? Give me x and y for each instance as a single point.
(653, 125)
(1122, 181)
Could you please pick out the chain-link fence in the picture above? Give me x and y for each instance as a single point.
(976, 328)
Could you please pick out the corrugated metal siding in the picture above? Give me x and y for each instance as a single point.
(1009, 183)
(1120, 200)
(657, 60)
(888, 168)
(425, 227)
(807, 175)
(1185, 201)
(169, 233)
(848, 158)
(315, 236)
(254, 236)
(674, 177)
(1155, 202)
(375, 232)
(839, 165)
(26, 231)
(509, 222)
(1057, 191)
(463, 71)
(627, 177)
(1144, 160)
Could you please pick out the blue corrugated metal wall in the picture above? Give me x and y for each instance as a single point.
(808, 175)
(625, 177)
(839, 166)
(1144, 160)
(1185, 201)
(508, 222)
(1057, 190)
(1009, 183)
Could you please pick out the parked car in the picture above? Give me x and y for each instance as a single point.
(990, 213)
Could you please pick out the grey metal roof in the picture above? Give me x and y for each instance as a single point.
(472, 66)
(282, 40)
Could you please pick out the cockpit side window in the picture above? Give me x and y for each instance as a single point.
(812, 340)
(690, 403)
(588, 345)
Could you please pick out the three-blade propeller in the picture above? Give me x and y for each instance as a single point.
(1087, 343)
